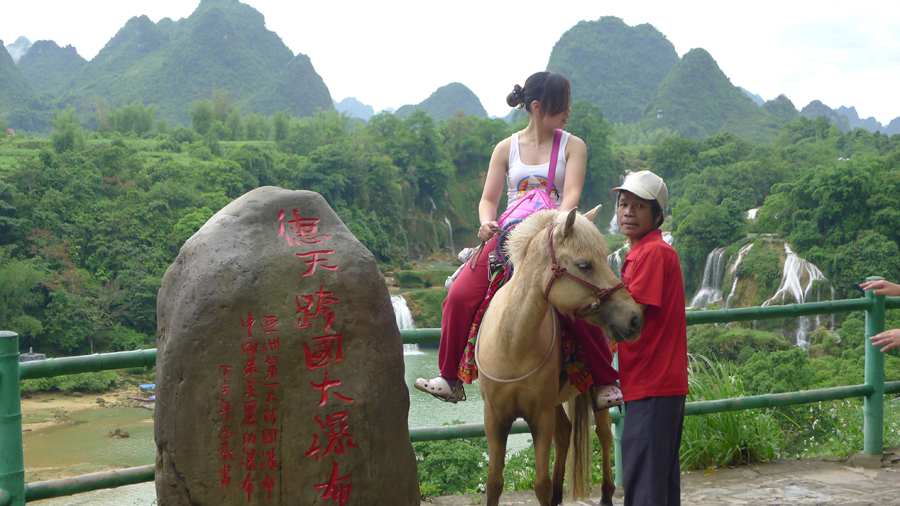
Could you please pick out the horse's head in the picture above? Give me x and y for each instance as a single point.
(566, 255)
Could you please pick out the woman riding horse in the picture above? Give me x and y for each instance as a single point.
(523, 161)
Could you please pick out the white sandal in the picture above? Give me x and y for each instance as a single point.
(439, 388)
(607, 396)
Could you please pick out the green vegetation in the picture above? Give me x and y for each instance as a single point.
(445, 101)
(728, 438)
(89, 381)
(749, 362)
(425, 307)
(47, 68)
(423, 278)
(19, 107)
(168, 64)
(697, 100)
(614, 66)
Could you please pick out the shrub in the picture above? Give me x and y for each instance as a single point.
(425, 307)
(88, 381)
(423, 278)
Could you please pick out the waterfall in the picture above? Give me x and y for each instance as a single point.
(797, 281)
(713, 273)
(433, 208)
(449, 237)
(616, 259)
(404, 322)
(751, 213)
(669, 238)
(733, 272)
(614, 222)
(614, 225)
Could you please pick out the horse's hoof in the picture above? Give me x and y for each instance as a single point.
(439, 388)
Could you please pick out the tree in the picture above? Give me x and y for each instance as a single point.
(68, 134)
(19, 280)
(587, 122)
(281, 123)
(202, 116)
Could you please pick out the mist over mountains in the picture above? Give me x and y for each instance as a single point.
(632, 73)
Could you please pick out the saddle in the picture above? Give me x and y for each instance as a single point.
(501, 269)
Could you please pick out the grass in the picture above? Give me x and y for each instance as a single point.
(727, 438)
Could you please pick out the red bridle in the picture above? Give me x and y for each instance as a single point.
(603, 294)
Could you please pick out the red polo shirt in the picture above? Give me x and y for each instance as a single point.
(656, 364)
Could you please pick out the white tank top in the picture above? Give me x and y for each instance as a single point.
(521, 178)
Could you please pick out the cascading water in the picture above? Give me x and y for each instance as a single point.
(616, 259)
(404, 321)
(797, 280)
(614, 225)
(713, 273)
(733, 271)
(614, 222)
(450, 237)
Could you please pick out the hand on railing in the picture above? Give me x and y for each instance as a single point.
(882, 287)
(889, 338)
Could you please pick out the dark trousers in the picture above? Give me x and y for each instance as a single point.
(650, 443)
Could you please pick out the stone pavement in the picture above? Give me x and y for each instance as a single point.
(858, 481)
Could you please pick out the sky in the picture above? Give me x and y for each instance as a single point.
(397, 52)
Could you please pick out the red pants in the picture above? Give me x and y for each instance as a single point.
(465, 297)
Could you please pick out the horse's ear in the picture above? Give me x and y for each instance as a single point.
(590, 215)
(570, 221)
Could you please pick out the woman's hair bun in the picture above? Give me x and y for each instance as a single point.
(516, 98)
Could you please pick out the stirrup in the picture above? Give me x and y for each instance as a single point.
(442, 391)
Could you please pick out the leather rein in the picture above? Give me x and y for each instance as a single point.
(603, 294)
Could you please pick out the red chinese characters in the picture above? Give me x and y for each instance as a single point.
(300, 230)
(258, 459)
(332, 433)
(250, 411)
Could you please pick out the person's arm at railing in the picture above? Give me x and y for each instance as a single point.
(889, 338)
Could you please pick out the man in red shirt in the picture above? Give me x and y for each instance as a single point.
(653, 369)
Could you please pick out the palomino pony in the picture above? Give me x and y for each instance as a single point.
(560, 261)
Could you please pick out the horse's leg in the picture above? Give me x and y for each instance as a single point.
(497, 433)
(542, 426)
(604, 433)
(561, 450)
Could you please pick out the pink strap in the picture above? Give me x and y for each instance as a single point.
(554, 155)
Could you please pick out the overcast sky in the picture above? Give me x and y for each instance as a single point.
(392, 53)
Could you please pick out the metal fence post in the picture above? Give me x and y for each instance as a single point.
(619, 422)
(873, 411)
(12, 460)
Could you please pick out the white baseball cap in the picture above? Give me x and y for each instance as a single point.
(646, 185)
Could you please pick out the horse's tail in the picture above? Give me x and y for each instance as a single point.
(578, 463)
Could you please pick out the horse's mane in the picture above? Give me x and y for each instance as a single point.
(586, 238)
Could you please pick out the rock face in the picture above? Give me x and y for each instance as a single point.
(279, 364)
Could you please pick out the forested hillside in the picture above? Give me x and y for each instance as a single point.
(170, 64)
(697, 100)
(49, 68)
(445, 101)
(614, 66)
(19, 106)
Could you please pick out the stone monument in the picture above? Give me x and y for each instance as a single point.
(280, 375)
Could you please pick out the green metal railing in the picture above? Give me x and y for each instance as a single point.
(15, 492)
